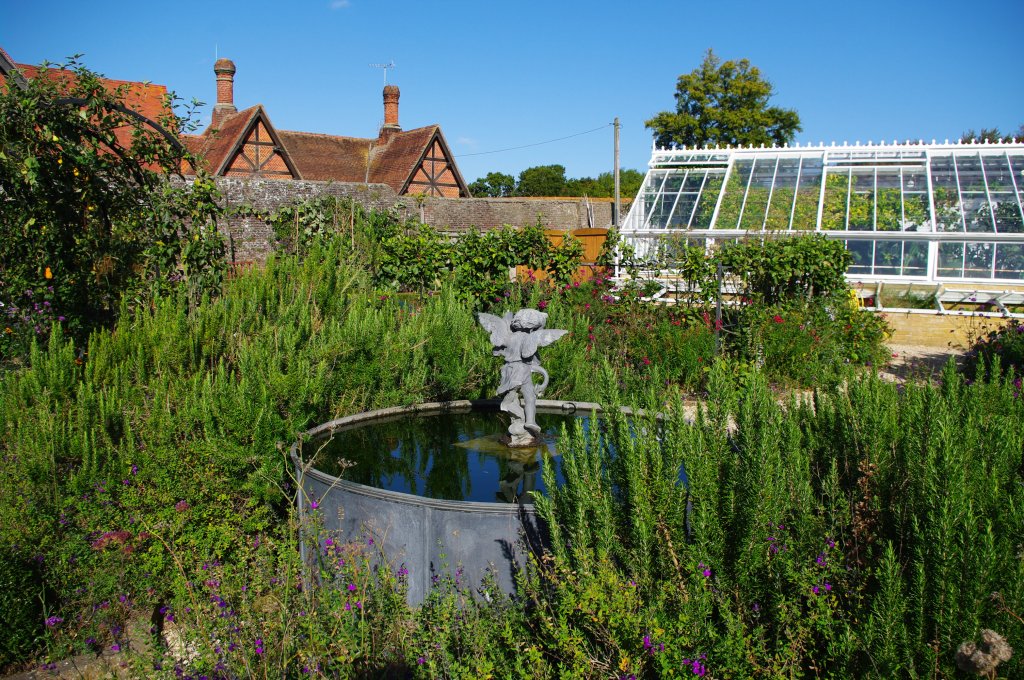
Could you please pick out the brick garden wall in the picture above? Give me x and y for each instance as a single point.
(250, 239)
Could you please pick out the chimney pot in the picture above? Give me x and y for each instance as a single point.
(391, 95)
(225, 106)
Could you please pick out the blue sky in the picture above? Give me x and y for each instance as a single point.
(497, 75)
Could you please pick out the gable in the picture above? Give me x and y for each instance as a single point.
(258, 152)
(436, 174)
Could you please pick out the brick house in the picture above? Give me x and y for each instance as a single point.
(246, 144)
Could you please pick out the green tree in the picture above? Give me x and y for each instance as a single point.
(542, 180)
(991, 135)
(494, 185)
(724, 103)
(87, 212)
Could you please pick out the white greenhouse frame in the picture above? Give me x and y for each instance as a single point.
(919, 214)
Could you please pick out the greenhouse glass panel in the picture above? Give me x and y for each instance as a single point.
(756, 205)
(915, 200)
(978, 260)
(805, 212)
(1010, 261)
(889, 200)
(705, 209)
(915, 258)
(951, 260)
(863, 256)
(978, 214)
(888, 258)
(837, 189)
(968, 170)
(862, 204)
(1008, 213)
(735, 190)
(997, 172)
(783, 192)
(946, 194)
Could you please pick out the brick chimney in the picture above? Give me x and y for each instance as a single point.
(225, 106)
(390, 110)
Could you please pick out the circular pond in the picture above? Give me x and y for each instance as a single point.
(455, 456)
(432, 485)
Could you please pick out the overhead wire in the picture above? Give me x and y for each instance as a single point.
(527, 146)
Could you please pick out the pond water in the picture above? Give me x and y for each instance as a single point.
(447, 456)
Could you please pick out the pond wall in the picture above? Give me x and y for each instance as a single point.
(429, 537)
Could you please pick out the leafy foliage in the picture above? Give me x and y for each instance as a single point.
(550, 180)
(88, 215)
(724, 103)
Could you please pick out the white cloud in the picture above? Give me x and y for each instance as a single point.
(466, 141)
(340, 4)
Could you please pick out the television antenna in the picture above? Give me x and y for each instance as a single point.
(390, 64)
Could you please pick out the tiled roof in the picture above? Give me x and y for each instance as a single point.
(213, 146)
(144, 98)
(327, 157)
(394, 158)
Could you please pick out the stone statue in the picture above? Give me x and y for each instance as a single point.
(517, 338)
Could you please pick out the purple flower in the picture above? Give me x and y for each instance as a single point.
(828, 586)
(352, 587)
(53, 621)
(421, 660)
(181, 506)
(115, 647)
(313, 505)
(814, 590)
(135, 470)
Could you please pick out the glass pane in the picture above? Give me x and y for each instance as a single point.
(997, 173)
(862, 203)
(757, 195)
(708, 199)
(889, 209)
(945, 195)
(1008, 217)
(915, 212)
(1010, 261)
(862, 252)
(693, 180)
(782, 195)
(833, 214)
(888, 256)
(968, 168)
(915, 258)
(805, 216)
(729, 212)
(978, 214)
(978, 260)
(951, 259)
(684, 207)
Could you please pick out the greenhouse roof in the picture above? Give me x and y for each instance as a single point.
(924, 211)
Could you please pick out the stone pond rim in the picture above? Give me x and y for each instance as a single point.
(416, 531)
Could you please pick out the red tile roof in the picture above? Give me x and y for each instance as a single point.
(213, 146)
(145, 98)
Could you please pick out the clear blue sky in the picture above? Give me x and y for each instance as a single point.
(496, 75)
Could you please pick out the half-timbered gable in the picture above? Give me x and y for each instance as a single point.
(244, 143)
(436, 173)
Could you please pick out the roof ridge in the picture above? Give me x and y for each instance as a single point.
(323, 134)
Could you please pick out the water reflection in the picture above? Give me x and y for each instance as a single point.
(449, 456)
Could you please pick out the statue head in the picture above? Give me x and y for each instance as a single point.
(528, 320)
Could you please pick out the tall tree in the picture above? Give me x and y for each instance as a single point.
(494, 185)
(542, 180)
(991, 135)
(724, 103)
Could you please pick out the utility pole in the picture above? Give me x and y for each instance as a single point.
(616, 205)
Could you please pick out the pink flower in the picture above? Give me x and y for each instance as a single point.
(777, 319)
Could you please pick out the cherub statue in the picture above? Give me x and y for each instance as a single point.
(517, 338)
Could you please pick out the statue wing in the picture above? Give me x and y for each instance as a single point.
(538, 339)
(497, 326)
(547, 337)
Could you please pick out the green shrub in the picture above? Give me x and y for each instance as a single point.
(1005, 345)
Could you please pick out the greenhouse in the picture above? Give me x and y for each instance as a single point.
(920, 213)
